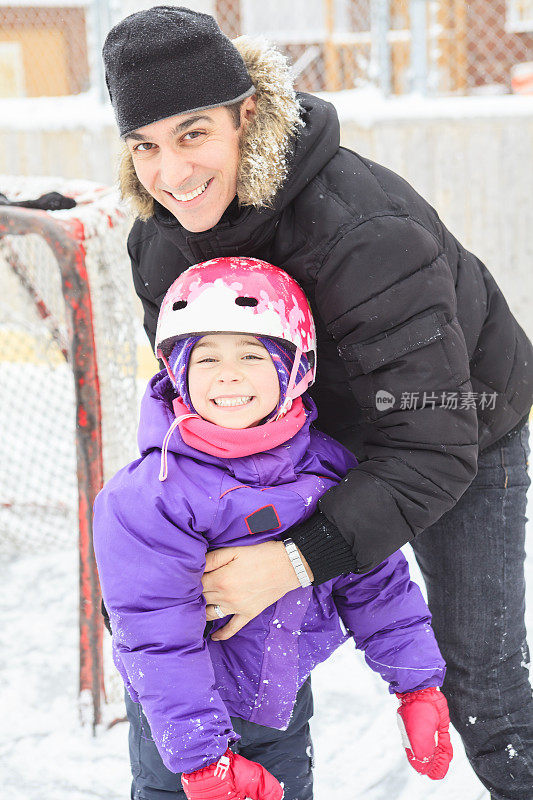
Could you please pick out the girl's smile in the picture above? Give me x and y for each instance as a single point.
(232, 380)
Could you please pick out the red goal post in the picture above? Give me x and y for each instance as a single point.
(68, 394)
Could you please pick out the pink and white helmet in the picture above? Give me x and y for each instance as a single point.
(239, 295)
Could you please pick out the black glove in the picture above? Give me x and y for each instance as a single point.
(52, 201)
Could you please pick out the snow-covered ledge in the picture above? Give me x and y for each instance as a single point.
(472, 157)
(72, 137)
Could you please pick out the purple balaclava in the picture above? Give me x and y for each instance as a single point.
(280, 353)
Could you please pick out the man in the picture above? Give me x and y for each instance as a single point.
(421, 365)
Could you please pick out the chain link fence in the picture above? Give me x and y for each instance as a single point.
(436, 47)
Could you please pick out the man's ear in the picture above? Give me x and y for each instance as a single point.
(248, 108)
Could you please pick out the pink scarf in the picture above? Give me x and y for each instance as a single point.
(227, 442)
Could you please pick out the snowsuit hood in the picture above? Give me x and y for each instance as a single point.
(156, 415)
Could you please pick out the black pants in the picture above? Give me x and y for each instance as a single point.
(472, 560)
(288, 754)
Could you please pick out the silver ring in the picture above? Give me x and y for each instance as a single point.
(218, 611)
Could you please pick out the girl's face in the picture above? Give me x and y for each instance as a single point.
(232, 380)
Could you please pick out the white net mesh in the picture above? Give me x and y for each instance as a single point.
(38, 481)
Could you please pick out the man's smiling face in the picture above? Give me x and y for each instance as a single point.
(189, 163)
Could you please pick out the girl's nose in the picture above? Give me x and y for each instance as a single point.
(229, 373)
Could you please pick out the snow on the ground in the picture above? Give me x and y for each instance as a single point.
(46, 754)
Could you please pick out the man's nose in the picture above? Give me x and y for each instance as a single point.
(175, 170)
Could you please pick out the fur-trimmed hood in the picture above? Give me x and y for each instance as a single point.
(266, 141)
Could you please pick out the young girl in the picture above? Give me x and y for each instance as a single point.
(229, 457)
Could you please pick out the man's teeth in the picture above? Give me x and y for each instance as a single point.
(190, 195)
(232, 401)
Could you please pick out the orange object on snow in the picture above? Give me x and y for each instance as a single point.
(522, 78)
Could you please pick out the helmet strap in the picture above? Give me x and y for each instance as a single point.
(169, 370)
(294, 389)
(303, 385)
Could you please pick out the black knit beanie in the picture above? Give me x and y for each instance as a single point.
(170, 60)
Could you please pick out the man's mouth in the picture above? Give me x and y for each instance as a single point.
(188, 196)
(228, 402)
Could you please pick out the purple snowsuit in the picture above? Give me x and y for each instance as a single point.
(151, 538)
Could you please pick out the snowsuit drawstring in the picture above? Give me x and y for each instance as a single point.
(163, 472)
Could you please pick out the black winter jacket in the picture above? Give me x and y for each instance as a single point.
(401, 308)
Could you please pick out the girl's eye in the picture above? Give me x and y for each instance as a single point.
(252, 355)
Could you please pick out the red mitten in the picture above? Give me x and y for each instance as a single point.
(424, 720)
(232, 777)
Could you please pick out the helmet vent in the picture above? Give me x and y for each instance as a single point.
(178, 305)
(246, 301)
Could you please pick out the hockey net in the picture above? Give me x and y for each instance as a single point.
(68, 397)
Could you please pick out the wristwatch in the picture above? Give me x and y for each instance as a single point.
(297, 563)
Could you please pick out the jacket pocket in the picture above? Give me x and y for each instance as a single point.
(443, 365)
(365, 357)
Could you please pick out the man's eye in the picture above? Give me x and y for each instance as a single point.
(143, 147)
(193, 134)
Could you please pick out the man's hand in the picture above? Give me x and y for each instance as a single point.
(243, 581)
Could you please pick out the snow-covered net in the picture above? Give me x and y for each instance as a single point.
(38, 487)
(38, 466)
